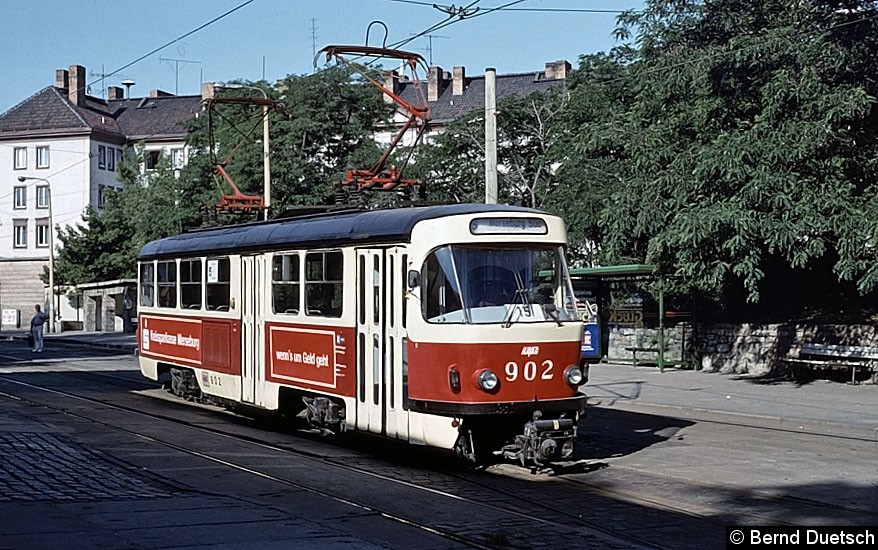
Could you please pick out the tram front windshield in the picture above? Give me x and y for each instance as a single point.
(486, 284)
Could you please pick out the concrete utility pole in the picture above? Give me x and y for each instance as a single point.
(490, 136)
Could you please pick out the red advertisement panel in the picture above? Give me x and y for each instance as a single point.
(313, 357)
(526, 371)
(171, 338)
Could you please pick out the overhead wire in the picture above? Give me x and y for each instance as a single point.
(545, 10)
(174, 41)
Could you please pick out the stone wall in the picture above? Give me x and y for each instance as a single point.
(678, 343)
(757, 349)
(734, 348)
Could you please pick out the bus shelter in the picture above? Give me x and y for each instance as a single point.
(595, 282)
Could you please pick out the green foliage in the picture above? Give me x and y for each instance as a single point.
(528, 134)
(105, 245)
(732, 143)
(738, 134)
(323, 125)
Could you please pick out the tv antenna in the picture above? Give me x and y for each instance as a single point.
(103, 80)
(430, 38)
(177, 66)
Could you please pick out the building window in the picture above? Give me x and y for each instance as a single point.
(167, 284)
(111, 159)
(43, 156)
(19, 156)
(102, 157)
(19, 233)
(43, 233)
(285, 283)
(20, 197)
(104, 192)
(177, 159)
(152, 159)
(190, 284)
(147, 284)
(118, 157)
(323, 283)
(42, 196)
(219, 276)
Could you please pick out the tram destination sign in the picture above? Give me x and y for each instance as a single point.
(508, 226)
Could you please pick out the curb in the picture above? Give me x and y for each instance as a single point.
(72, 342)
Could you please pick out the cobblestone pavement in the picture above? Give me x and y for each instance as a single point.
(40, 466)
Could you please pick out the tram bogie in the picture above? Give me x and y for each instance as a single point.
(432, 325)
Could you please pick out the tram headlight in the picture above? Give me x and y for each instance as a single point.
(488, 380)
(573, 375)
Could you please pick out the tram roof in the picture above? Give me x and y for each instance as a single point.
(326, 229)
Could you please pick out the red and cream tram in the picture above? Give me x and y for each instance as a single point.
(430, 325)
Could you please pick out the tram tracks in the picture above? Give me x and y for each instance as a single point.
(472, 522)
(521, 503)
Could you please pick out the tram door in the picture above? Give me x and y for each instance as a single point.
(252, 275)
(370, 340)
(395, 276)
(378, 343)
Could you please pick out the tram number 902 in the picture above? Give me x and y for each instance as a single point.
(529, 371)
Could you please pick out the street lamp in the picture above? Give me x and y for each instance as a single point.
(51, 308)
(265, 150)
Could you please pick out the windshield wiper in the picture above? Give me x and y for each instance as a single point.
(551, 311)
(522, 295)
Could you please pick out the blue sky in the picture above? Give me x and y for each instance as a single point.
(273, 38)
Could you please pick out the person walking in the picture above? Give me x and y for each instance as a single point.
(36, 327)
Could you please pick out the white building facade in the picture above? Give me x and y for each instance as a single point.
(60, 151)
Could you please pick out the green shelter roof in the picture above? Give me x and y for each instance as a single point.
(615, 271)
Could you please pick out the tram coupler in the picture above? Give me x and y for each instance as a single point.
(543, 441)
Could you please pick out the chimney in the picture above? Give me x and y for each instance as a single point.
(208, 90)
(76, 92)
(61, 79)
(557, 70)
(115, 92)
(435, 83)
(458, 81)
(160, 93)
(391, 82)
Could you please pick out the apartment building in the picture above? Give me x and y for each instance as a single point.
(452, 94)
(60, 150)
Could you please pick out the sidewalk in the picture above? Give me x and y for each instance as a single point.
(107, 340)
(819, 406)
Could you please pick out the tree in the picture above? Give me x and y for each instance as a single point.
(743, 141)
(528, 131)
(105, 245)
(323, 124)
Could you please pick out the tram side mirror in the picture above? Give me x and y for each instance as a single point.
(414, 279)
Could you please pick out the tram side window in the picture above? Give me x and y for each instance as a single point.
(190, 284)
(285, 283)
(441, 300)
(167, 284)
(219, 285)
(323, 283)
(147, 284)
